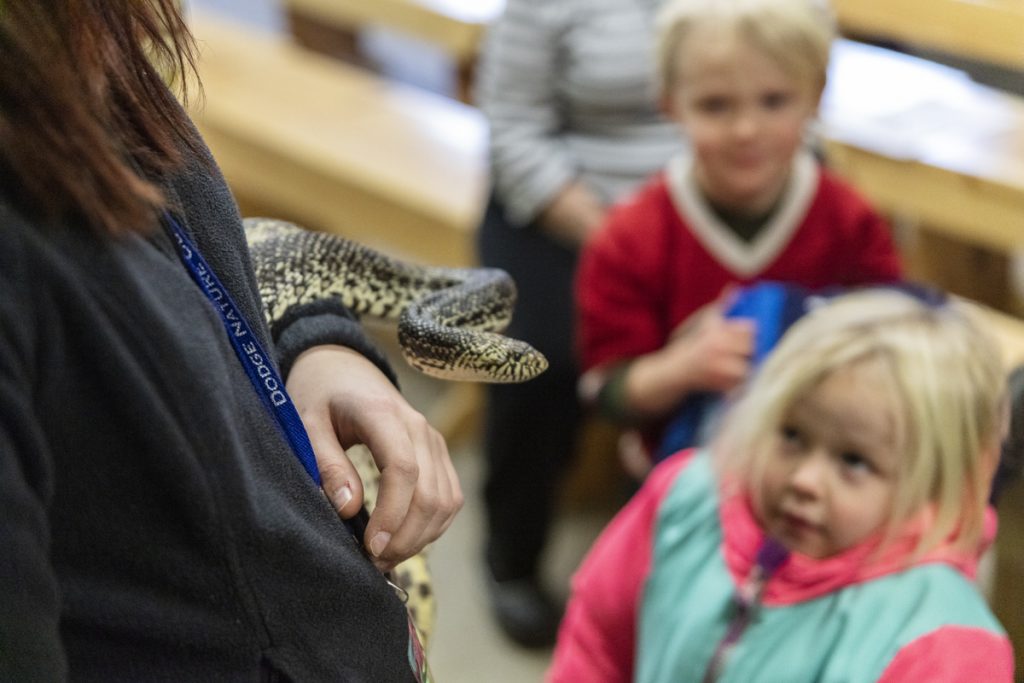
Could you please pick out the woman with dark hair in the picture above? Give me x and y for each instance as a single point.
(155, 524)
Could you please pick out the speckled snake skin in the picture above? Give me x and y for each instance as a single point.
(449, 319)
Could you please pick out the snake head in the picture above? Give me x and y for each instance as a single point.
(464, 356)
(523, 363)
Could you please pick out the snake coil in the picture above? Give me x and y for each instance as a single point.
(449, 319)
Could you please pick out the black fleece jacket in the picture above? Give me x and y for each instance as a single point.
(154, 525)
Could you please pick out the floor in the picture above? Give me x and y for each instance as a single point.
(468, 647)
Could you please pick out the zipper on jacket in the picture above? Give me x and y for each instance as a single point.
(746, 604)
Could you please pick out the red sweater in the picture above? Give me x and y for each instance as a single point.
(663, 254)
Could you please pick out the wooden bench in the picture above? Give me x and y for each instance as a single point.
(454, 26)
(985, 30)
(338, 149)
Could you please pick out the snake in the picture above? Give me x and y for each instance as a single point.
(449, 320)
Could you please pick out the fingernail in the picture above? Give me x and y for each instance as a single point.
(379, 542)
(341, 497)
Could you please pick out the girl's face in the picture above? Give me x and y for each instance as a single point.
(744, 116)
(830, 471)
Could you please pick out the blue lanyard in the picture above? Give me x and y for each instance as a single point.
(270, 388)
(256, 362)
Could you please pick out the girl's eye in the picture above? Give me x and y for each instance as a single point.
(855, 462)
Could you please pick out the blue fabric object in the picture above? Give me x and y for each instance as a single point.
(773, 306)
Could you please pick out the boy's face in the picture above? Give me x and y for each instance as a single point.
(744, 116)
(831, 469)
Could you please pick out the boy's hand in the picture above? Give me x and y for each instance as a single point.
(714, 355)
(707, 352)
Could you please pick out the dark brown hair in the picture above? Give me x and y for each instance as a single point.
(87, 124)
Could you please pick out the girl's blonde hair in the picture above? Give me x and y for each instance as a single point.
(945, 387)
(796, 34)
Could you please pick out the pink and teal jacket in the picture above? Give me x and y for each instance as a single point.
(654, 597)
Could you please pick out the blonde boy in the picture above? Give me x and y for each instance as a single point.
(749, 202)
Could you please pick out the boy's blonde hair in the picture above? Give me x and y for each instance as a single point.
(797, 34)
(945, 387)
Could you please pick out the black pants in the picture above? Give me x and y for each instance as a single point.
(530, 428)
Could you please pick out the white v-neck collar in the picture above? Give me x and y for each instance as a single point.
(740, 257)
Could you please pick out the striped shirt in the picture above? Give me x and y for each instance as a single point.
(569, 89)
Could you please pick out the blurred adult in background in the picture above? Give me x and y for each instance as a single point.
(569, 91)
(154, 521)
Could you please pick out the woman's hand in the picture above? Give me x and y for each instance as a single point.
(344, 400)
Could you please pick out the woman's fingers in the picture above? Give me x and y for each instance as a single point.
(345, 400)
(419, 491)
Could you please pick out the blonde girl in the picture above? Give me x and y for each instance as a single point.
(833, 529)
